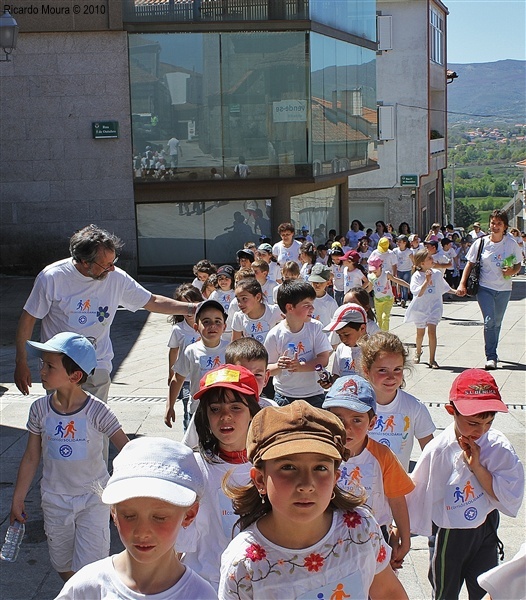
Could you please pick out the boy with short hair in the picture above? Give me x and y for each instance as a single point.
(349, 323)
(372, 467)
(154, 492)
(463, 478)
(199, 357)
(261, 270)
(295, 376)
(67, 429)
(324, 305)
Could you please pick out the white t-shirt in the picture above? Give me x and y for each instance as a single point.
(352, 278)
(254, 567)
(493, 254)
(268, 288)
(347, 361)
(324, 308)
(66, 300)
(337, 277)
(428, 308)
(205, 539)
(381, 286)
(403, 259)
(506, 581)
(285, 254)
(400, 422)
(388, 259)
(224, 298)
(72, 445)
(257, 328)
(197, 359)
(182, 335)
(198, 283)
(100, 580)
(378, 472)
(440, 257)
(448, 494)
(309, 342)
(274, 271)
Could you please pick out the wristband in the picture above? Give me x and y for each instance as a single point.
(191, 309)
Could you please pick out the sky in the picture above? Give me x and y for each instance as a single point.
(485, 30)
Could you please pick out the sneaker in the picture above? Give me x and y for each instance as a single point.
(490, 365)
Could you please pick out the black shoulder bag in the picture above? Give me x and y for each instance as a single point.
(472, 284)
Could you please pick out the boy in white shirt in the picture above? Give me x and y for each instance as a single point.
(324, 305)
(261, 271)
(295, 376)
(199, 357)
(463, 478)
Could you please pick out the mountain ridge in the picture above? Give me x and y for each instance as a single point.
(494, 90)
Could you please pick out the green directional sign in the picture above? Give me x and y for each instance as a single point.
(410, 180)
(105, 130)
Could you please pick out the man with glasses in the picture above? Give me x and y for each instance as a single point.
(81, 294)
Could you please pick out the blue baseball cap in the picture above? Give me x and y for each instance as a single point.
(352, 392)
(74, 345)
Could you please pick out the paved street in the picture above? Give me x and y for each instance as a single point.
(140, 384)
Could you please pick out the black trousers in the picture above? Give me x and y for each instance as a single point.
(459, 555)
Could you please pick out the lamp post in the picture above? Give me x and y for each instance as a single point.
(8, 34)
(515, 188)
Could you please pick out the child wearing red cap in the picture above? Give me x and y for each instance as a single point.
(464, 477)
(228, 399)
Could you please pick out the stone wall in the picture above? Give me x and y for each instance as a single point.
(54, 177)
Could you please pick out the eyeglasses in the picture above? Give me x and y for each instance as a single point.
(113, 263)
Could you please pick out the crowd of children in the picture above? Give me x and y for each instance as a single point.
(291, 481)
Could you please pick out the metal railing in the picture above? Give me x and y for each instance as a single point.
(191, 11)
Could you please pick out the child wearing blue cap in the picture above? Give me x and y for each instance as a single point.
(67, 429)
(372, 467)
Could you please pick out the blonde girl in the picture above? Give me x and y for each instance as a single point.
(254, 318)
(183, 334)
(425, 311)
(383, 292)
(228, 399)
(302, 536)
(400, 416)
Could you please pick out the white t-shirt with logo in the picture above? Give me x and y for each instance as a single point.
(308, 342)
(345, 561)
(427, 308)
(205, 539)
(100, 580)
(72, 445)
(403, 258)
(347, 361)
(66, 300)
(285, 254)
(257, 328)
(493, 254)
(448, 494)
(352, 278)
(324, 308)
(197, 359)
(400, 422)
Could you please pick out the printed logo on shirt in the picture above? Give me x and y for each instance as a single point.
(209, 362)
(85, 312)
(66, 438)
(465, 501)
(338, 590)
(391, 430)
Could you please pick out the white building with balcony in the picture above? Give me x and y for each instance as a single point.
(411, 73)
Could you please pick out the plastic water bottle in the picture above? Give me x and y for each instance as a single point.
(13, 541)
(323, 375)
(291, 350)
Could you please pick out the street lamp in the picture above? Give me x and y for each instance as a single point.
(8, 34)
(515, 188)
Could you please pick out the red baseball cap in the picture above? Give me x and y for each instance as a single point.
(345, 314)
(475, 391)
(352, 255)
(234, 377)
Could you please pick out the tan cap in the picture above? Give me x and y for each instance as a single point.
(295, 429)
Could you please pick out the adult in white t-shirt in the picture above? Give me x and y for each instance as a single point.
(498, 251)
(288, 248)
(82, 294)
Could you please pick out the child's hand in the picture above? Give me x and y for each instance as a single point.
(429, 275)
(169, 415)
(399, 549)
(326, 385)
(471, 451)
(17, 512)
(288, 363)
(458, 293)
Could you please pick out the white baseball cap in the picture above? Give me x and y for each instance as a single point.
(155, 467)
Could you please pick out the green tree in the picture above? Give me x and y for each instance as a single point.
(465, 214)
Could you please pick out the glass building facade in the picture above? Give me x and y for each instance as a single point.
(287, 108)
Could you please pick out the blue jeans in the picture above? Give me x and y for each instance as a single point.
(405, 276)
(315, 401)
(493, 306)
